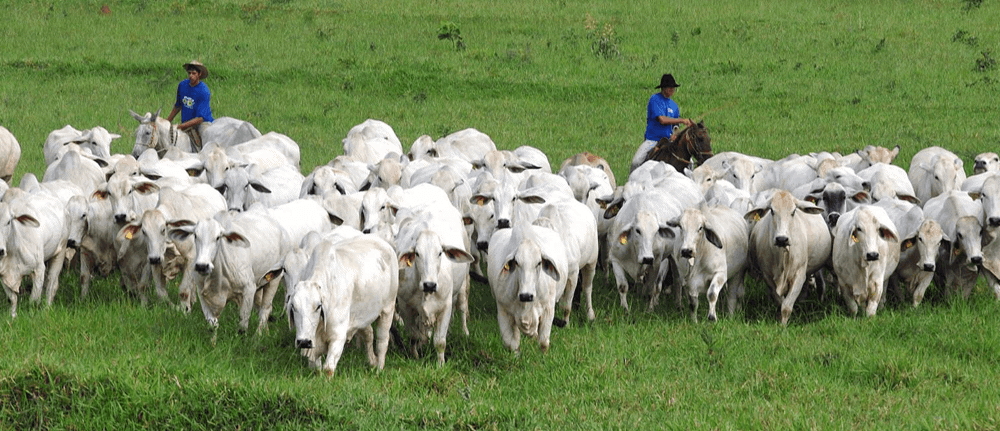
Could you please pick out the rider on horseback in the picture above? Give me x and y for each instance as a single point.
(193, 103)
(662, 116)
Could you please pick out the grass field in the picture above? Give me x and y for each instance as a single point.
(564, 76)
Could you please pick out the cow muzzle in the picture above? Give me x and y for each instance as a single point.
(871, 256)
(121, 218)
(503, 224)
(687, 253)
(483, 246)
(781, 241)
(526, 297)
(929, 267)
(71, 243)
(155, 260)
(304, 344)
(429, 287)
(994, 221)
(202, 268)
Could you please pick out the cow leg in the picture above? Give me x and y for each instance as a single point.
(87, 262)
(463, 304)
(160, 282)
(793, 289)
(714, 289)
(622, 282)
(37, 283)
(919, 285)
(367, 340)
(382, 328)
(266, 303)
(737, 291)
(441, 332)
(508, 332)
(587, 272)
(55, 266)
(566, 299)
(335, 349)
(545, 328)
(12, 296)
(992, 281)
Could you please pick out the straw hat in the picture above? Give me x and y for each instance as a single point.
(197, 65)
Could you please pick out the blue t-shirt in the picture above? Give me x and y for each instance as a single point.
(194, 101)
(660, 106)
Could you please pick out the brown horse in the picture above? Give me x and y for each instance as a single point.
(677, 150)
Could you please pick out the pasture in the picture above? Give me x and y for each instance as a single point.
(563, 76)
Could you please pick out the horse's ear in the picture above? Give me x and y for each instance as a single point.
(701, 124)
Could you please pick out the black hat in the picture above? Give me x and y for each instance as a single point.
(667, 80)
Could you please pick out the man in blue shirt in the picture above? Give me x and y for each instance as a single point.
(662, 116)
(193, 102)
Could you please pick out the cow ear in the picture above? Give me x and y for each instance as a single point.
(128, 232)
(100, 194)
(549, 269)
(712, 238)
(179, 223)
(480, 200)
(623, 237)
(755, 214)
(146, 187)
(907, 243)
(195, 171)
(811, 199)
(811, 209)
(975, 195)
(887, 234)
(236, 239)
(458, 255)
(466, 220)
(406, 259)
(27, 220)
(179, 234)
(613, 207)
(666, 232)
(909, 198)
(532, 199)
(861, 197)
(260, 187)
(337, 221)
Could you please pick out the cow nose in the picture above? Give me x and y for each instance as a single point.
(929, 267)
(304, 344)
(236, 210)
(155, 260)
(2, 252)
(430, 287)
(526, 297)
(686, 253)
(832, 220)
(994, 221)
(871, 256)
(781, 241)
(503, 223)
(71, 243)
(120, 218)
(647, 261)
(202, 268)
(367, 230)
(866, 185)
(483, 246)
(978, 260)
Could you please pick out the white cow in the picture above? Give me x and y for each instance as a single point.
(788, 242)
(75, 168)
(92, 233)
(467, 144)
(986, 162)
(575, 224)
(10, 153)
(935, 170)
(711, 253)
(527, 268)
(95, 142)
(869, 156)
(266, 152)
(236, 252)
(961, 219)
(889, 181)
(350, 284)
(432, 247)
(865, 254)
(33, 233)
(371, 141)
(921, 239)
(245, 186)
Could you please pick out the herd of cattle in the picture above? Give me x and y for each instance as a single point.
(382, 236)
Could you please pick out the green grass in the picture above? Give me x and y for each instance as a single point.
(770, 79)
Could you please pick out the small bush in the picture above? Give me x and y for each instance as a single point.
(603, 42)
(986, 63)
(450, 31)
(964, 37)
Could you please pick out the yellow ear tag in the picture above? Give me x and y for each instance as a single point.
(269, 276)
(907, 245)
(480, 201)
(623, 239)
(506, 267)
(408, 260)
(756, 217)
(128, 234)
(854, 238)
